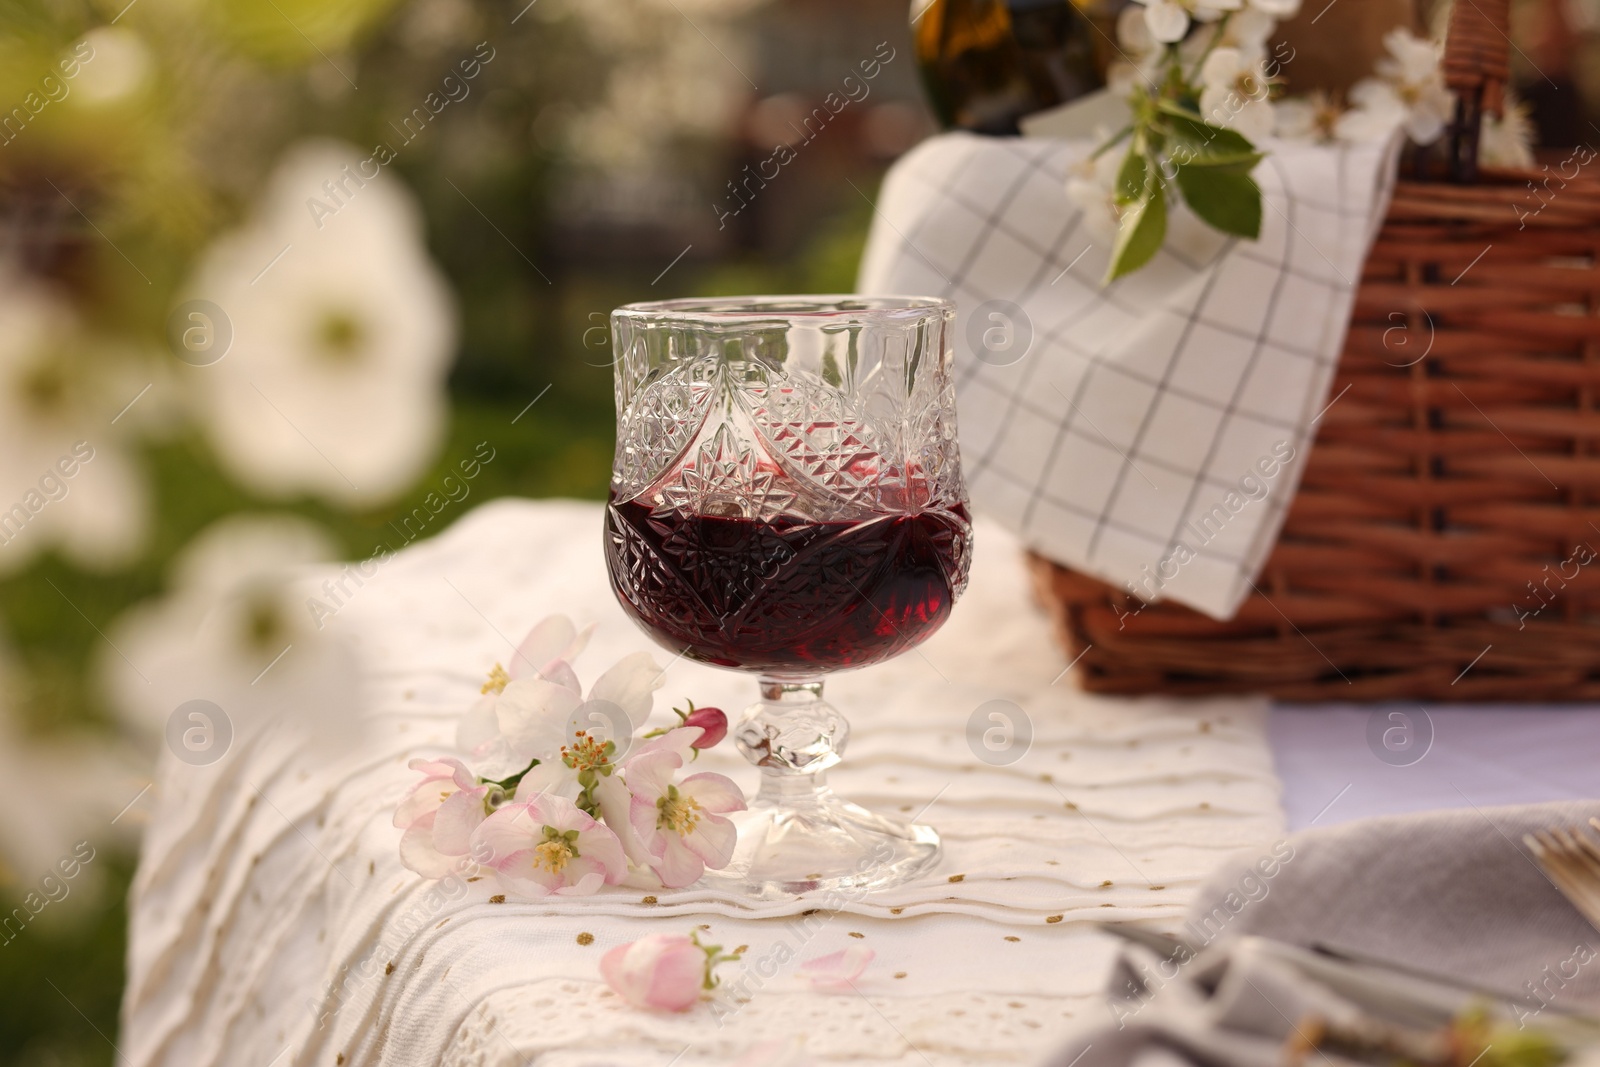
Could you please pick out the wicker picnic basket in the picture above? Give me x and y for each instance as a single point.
(1441, 542)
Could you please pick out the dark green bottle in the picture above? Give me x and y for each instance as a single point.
(989, 63)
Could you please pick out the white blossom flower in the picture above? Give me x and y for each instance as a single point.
(120, 67)
(1133, 31)
(1375, 112)
(1248, 30)
(1093, 189)
(241, 548)
(545, 653)
(1313, 117)
(1277, 9)
(242, 639)
(539, 712)
(42, 839)
(1508, 140)
(1169, 20)
(342, 334)
(261, 658)
(66, 478)
(1409, 91)
(1235, 94)
(1141, 57)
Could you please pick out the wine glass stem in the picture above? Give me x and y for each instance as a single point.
(794, 736)
(793, 692)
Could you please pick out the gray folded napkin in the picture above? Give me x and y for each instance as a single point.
(1453, 894)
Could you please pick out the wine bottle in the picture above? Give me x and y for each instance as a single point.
(989, 63)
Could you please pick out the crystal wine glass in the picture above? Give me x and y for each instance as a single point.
(787, 500)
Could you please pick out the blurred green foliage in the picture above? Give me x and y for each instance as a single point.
(521, 340)
(63, 979)
(161, 172)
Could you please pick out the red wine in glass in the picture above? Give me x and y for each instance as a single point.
(786, 597)
(787, 501)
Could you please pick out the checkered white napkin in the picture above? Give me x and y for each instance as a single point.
(1150, 432)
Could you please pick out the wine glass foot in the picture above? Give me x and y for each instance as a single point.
(825, 844)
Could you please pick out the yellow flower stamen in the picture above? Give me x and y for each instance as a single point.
(498, 680)
(678, 813)
(587, 752)
(552, 856)
(556, 850)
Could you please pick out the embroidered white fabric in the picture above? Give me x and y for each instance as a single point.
(270, 914)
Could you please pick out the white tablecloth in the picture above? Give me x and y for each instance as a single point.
(271, 921)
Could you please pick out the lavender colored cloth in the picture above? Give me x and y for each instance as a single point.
(1454, 893)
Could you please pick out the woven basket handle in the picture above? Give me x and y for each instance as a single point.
(1477, 64)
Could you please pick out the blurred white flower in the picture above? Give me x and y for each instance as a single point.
(1409, 91)
(1412, 60)
(1508, 140)
(534, 710)
(1248, 30)
(118, 67)
(1235, 94)
(260, 657)
(229, 611)
(1093, 189)
(245, 544)
(1313, 117)
(1375, 112)
(1135, 45)
(1168, 20)
(65, 477)
(1277, 9)
(342, 335)
(1133, 31)
(81, 785)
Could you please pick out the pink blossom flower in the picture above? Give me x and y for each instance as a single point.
(665, 972)
(532, 717)
(615, 803)
(546, 845)
(545, 654)
(658, 972)
(679, 825)
(837, 970)
(440, 814)
(678, 741)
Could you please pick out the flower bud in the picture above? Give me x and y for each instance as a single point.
(659, 972)
(712, 721)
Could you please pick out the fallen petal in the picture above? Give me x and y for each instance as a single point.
(837, 970)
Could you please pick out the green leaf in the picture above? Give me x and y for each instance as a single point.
(1111, 142)
(1144, 227)
(1228, 200)
(1132, 177)
(1240, 163)
(1178, 111)
(1199, 138)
